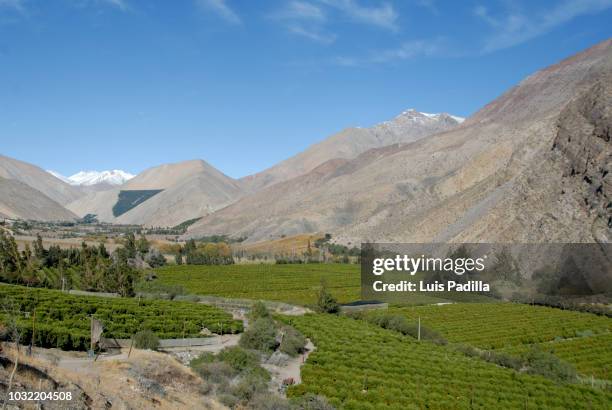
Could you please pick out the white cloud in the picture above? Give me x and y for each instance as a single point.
(304, 19)
(120, 4)
(406, 51)
(312, 34)
(383, 16)
(516, 27)
(301, 10)
(16, 5)
(221, 8)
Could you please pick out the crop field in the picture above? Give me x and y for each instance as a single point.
(63, 320)
(500, 325)
(295, 283)
(358, 365)
(590, 355)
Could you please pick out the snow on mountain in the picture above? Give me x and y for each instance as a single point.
(88, 178)
(59, 176)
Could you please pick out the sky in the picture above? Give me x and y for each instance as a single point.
(130, 84)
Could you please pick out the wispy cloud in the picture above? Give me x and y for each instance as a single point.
(304, 19)
(120, 4)
(406, 51)
(300, 10)
(312, 34)
(221, 8)
(15, 5)
(384, 15)
(515, 27)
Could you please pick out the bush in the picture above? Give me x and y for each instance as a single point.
(400, 324)
(311, 401)
(259, 310)
(550, 366)
(239, 359)
(269, 401)
(293, 342)
(326, 302)
(261, 335)
(146, 339)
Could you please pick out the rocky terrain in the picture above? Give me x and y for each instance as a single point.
(499, 177)
(531, 166)
(409, 126)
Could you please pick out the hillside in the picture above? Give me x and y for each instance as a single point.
(188, 189)
(502, 176)
(39, 179)
(18, 200)
(409, 126)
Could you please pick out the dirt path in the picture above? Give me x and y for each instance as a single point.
(290, 369)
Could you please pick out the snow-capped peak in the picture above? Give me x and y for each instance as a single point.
(59, 176)
(87, 178)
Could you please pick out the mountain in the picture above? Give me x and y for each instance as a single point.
(409, 126)
(531, 166)
(166, 195)
(37, 178)
(88, 178)
(20, 201)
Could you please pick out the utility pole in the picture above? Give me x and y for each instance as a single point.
(33, 330)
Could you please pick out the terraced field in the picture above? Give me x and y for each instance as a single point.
(298, 284)
(495, 326)
(63, 320)
(361, 366)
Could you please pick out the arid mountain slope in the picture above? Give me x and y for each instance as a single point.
(18, 200)
(39, 179)
(409, 126)
(190, 189)
(501, 176)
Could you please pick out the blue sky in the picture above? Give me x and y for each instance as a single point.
(129, 84)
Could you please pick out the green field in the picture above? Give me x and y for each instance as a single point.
(494, 326)
(360, 366)
(298, 284)
(62, 320)
(590, 355)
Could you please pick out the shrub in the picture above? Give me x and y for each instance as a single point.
(269, 401)
(400, 324)
(293, 342)
(311, 401)
(239, 359)
(261, 335)
(326, 302)
(259, 310)
(146, 339)
(215, 372)
(550, 366)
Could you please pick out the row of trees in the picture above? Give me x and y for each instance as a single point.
(87, 268)
(204, 253)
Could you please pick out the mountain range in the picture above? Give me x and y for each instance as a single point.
(90, 178)
(531, 166)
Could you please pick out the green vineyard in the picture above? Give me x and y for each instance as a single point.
(357, 365)
(63, 320)
(590, 354)
(298, 284)
(502, 325)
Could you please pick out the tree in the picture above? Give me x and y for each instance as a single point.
(326, 303)
(143, 245)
